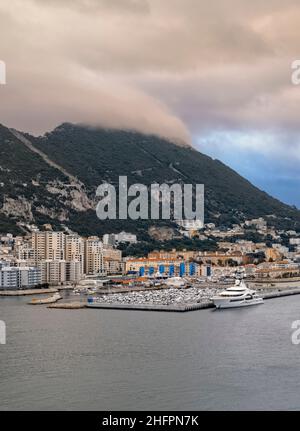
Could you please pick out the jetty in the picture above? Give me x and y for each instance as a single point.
(50, 300)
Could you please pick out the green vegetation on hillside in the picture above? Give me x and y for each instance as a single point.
(95, 156)
(99, 155)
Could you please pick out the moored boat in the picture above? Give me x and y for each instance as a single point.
(238, 295)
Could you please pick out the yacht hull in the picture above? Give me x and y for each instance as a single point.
(226, 303)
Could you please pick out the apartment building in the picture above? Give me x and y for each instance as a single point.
(73, 271)
(9, 278)
(53, 271)
(29, 276)
(25, 252)
(93, 262)
(48, 245)
(19, 277)
(115, 238)
(74, 251)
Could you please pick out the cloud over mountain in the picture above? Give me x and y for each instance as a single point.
(168, 67)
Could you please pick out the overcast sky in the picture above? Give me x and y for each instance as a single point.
(215, 73)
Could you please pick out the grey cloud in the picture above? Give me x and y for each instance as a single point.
(92, 6)
(167, 67)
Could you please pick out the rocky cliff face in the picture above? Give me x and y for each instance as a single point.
(34, 190)
(53, 179)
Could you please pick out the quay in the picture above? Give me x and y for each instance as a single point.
(68, 305)
(153, 307)
(28, 292)
(281, 293)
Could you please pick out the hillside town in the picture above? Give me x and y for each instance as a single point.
(47, 258)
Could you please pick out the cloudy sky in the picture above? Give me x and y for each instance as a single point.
(215, 73)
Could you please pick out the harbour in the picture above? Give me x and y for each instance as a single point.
(166, 299)
(111, 359)
(184, 308)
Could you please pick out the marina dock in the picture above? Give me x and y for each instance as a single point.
(184, 307)
(68, 305)
(153, 307)
(179, 308)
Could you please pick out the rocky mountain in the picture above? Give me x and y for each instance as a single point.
(53, 179)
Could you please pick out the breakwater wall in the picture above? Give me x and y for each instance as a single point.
(281, 293)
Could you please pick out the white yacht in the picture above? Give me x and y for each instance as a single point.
(237, 296)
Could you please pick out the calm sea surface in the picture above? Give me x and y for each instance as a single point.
(110, 360)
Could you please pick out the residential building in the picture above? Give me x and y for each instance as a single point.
(19, 277)
(75, 250)
(73, 271)
(53, 271)
(48, 245)
(115, 238)
(93, 256)
(9, 278)
(29, 276)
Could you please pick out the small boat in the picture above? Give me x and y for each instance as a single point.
(237, 296)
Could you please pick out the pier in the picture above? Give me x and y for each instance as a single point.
(49, 300)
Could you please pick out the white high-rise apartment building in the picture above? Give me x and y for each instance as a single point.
(9, 278)
(73, 271)
(75, 250)
(49, 245)
(60, 256)
(53, 271)
(29, 276)
(17, 277)
(93, 256)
